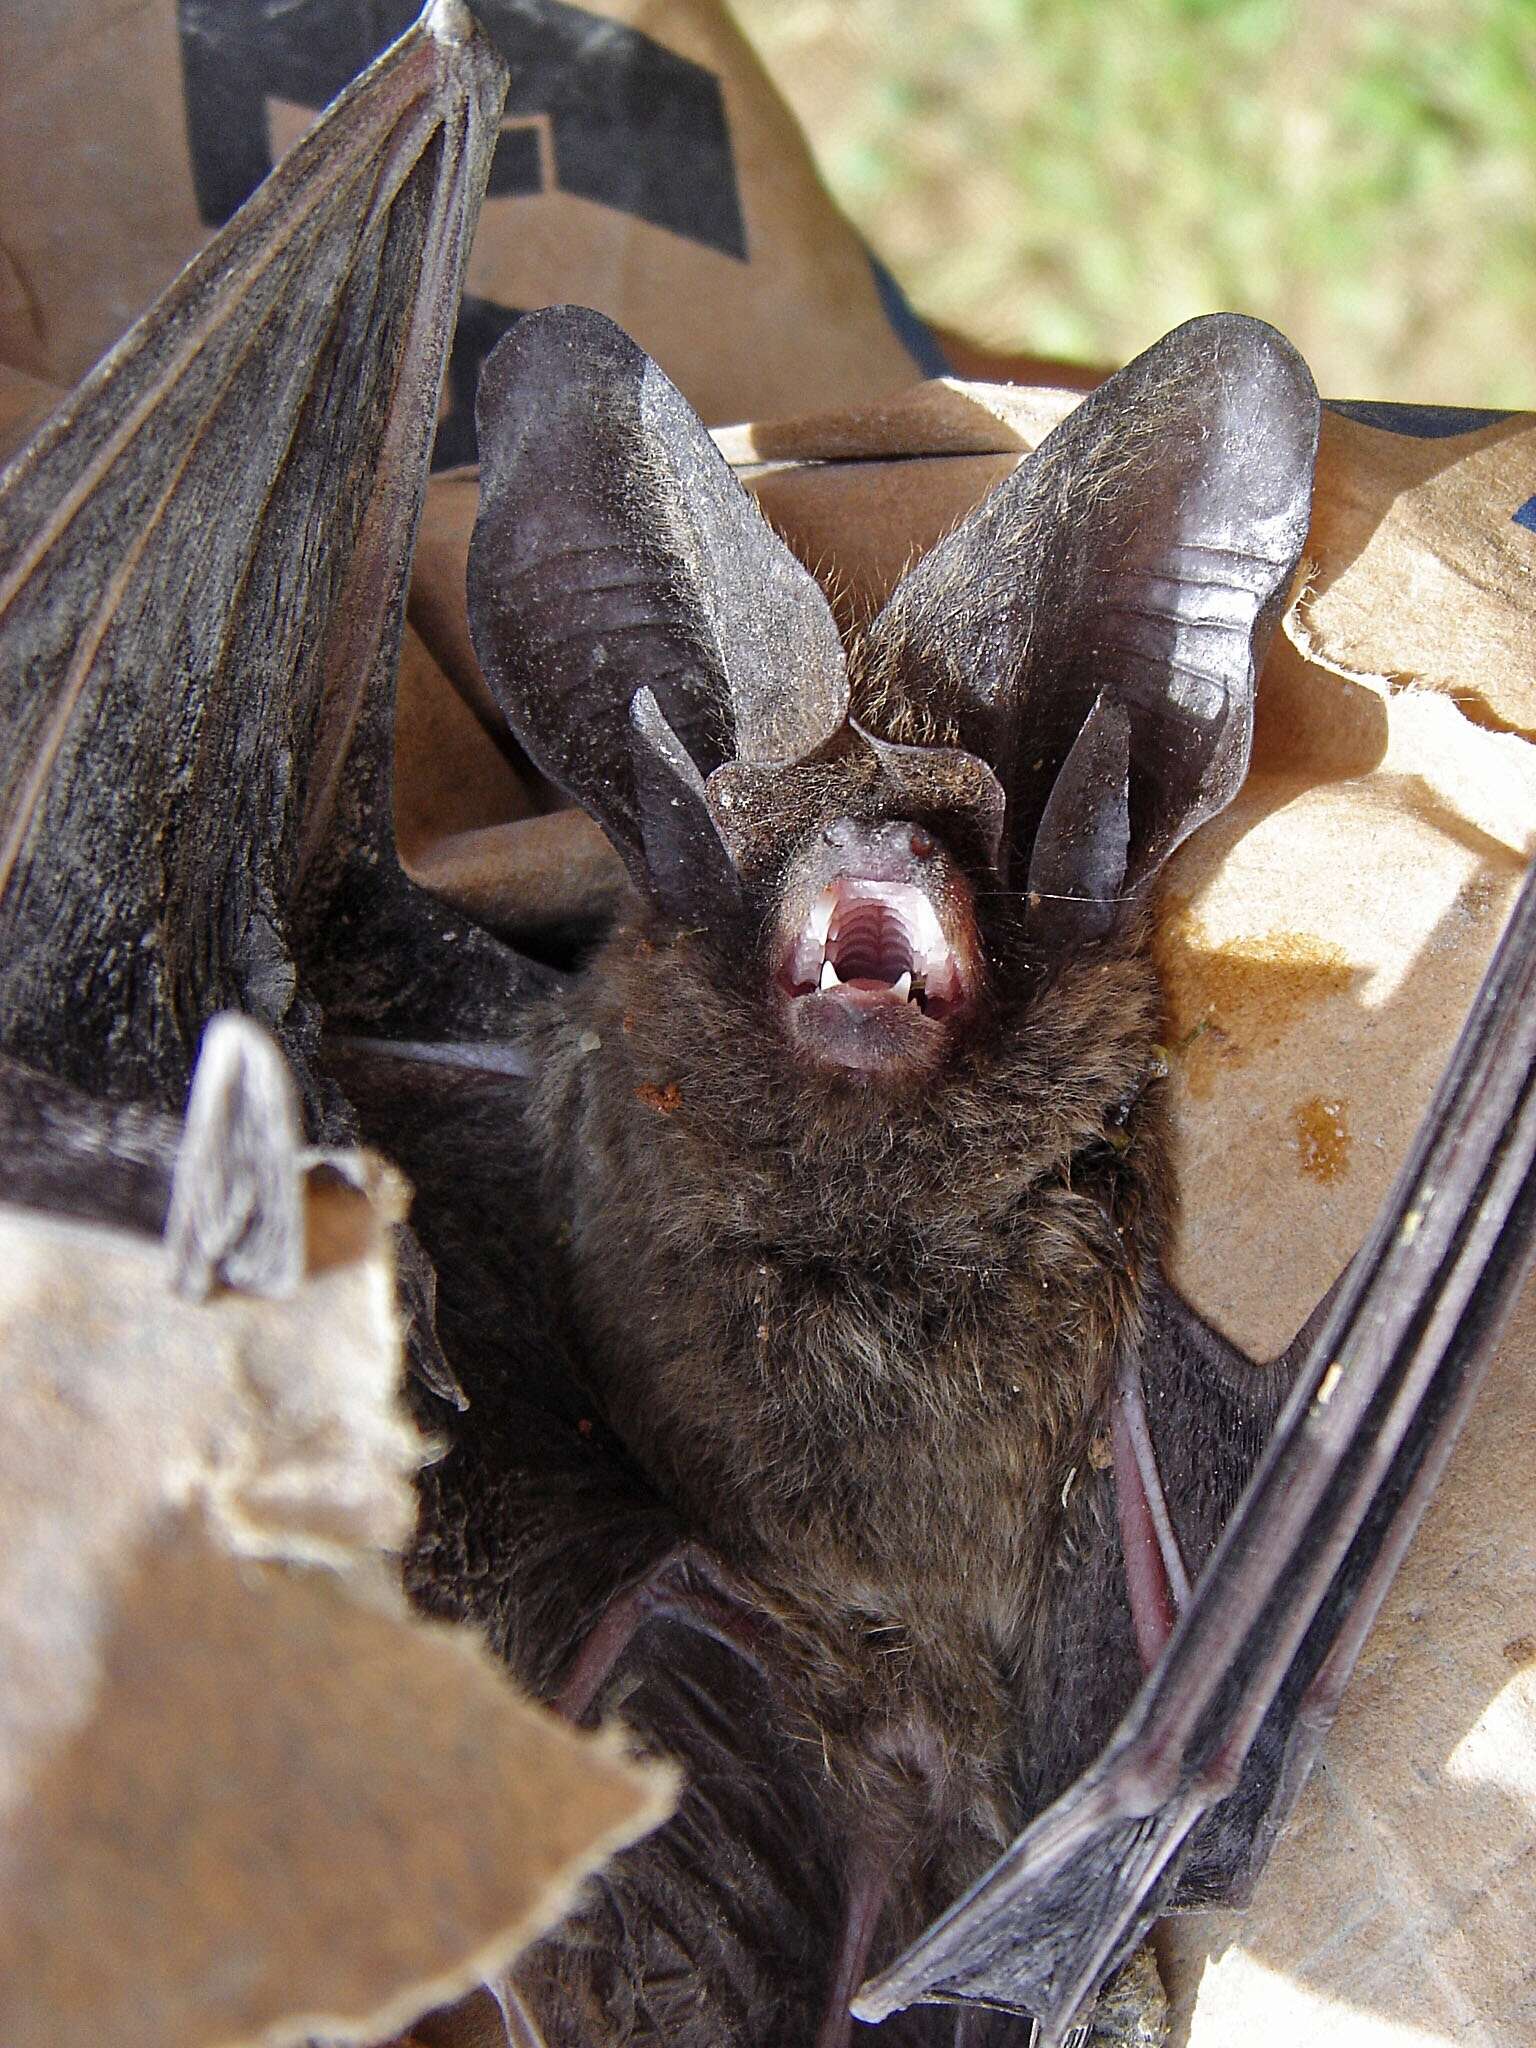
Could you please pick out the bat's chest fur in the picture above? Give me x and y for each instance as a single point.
(863, 1345)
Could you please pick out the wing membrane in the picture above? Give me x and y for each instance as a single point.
(202, 560)
(1226, 1723)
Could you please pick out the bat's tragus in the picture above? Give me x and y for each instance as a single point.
(875, 952)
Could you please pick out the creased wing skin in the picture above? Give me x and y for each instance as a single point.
(203, 560)
(202, 566)
(1216, 1747)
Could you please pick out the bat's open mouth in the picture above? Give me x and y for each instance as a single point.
(869, 942)
(877, 957)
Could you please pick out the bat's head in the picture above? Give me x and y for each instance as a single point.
(1049, 702)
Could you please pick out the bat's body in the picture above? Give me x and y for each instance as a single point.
(859, 1334)
(828, 1412)
(860, 1330)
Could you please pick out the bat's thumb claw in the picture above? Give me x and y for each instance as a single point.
(236, 1215)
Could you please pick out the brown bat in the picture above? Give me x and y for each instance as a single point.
(852, 1164)
(851, 1137)
(811, 1391)
(852, 1134)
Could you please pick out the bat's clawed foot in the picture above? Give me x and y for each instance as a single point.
(689, 1584)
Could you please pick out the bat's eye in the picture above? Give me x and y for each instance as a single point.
(878, 955)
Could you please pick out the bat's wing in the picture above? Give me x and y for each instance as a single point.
(1217, 1744)
(203, 559)
(202, 567)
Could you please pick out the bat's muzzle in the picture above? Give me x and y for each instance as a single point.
(877, 954)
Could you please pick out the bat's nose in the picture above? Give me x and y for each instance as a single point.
(894, 850)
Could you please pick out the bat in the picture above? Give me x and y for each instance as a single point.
(810, 1389)
(853, 1133)
(852, 1142)
(881, 1029)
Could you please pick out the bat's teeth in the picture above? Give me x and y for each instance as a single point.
(925, 934)
(874, 938)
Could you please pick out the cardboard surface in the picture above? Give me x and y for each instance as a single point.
(646, 167)
(1427, 562)
(245, 1792)
(25, 402)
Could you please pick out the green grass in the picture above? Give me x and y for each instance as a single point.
(1074, 179)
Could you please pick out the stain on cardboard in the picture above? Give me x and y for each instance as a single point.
(1322, 1138)
(1226, 1002)
(1520, 1652)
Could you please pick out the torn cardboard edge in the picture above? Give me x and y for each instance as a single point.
(226, 1702)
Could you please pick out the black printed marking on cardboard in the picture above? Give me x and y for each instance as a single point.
(624, 122)
(481, 325)
(632, 125)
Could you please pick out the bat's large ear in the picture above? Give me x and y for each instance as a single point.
(638, 620)
(1093, 630)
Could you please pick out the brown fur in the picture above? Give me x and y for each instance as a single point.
(862, 1339)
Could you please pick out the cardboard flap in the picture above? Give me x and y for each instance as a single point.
(214, 1699)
